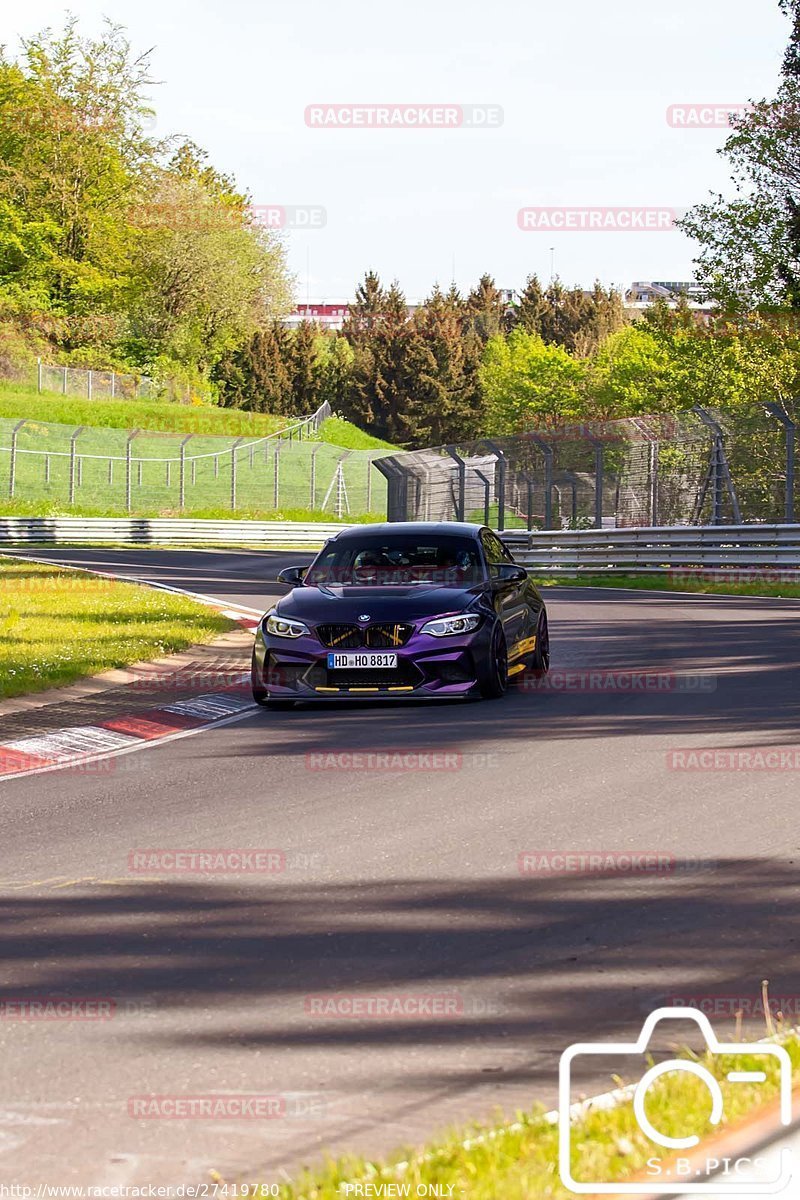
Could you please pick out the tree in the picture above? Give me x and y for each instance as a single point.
(304, 373)
(445, 406)
(486, 311)
(99, 220)
(256, 377)
(749, 253)
(528, 384)
(629, 375)
(205, 278)
(532, 307)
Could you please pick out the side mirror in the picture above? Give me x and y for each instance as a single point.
(292, 575)
(509, 573)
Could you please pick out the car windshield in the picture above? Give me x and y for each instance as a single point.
(398, 560)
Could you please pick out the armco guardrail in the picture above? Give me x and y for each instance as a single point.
(161, 531)
(711, 549)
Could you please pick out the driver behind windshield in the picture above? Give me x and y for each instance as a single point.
(387, 563)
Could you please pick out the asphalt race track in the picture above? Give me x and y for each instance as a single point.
(406, 885)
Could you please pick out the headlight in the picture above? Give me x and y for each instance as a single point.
(284, 627)
(449, 626)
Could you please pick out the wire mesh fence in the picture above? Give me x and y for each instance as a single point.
(119, 470)
(696, 467)
(94, 385)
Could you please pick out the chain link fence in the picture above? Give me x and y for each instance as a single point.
(141, 471)
(694, 468)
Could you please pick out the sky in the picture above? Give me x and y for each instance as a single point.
(571, 100)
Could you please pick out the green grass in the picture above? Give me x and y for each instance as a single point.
(519, 1161)
(57, 626)
(35, 508)
(680, 581)
(342, 433)
(20, 402)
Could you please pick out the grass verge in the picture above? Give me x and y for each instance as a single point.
(337, 432)
(34, 508)
(57, 626)
(681, 581)
(519, 1161)
(20, 402)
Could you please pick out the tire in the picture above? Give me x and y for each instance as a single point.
(494, 677)
(260, 694)
(540, 659)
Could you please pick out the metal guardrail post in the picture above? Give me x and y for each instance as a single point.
(276, 483)
(502, 467)
(234, 448)
(598, 479)
(12, 465)
(462, 479)
(134, 433)
(182, 473)
(547, 451)
(486, 495)
(313, 492)
(774, 410)
(72, 451)
(396, 487)
(369, 483)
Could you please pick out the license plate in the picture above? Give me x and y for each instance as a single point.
(360, 661)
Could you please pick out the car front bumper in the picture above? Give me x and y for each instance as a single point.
(427, 667)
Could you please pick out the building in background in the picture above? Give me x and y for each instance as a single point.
(642, 294)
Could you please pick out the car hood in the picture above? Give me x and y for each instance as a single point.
(399, 603)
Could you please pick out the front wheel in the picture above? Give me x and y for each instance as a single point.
(540, 661)
(494, 682)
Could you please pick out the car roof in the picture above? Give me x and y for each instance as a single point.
(458, 528)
